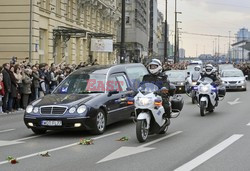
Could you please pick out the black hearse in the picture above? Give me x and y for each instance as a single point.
(86, 99)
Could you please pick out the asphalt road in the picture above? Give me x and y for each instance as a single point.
(218, 141)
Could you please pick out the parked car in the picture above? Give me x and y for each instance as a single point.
(178, 78)
(86, 100)
(233, 79)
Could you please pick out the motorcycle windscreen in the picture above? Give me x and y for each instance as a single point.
(148, 88)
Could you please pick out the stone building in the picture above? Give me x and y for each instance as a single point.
(54, 31)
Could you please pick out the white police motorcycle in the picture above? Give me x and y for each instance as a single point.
(206, 95)
(149, 111)
(191, 83)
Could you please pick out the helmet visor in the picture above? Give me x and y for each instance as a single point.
(153, 66)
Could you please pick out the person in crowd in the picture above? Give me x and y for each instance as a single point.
(27, 81)
(54, 79)
(7, 86)
(13, 94)
(19, 78)
(42, 90)
(95, 62)
(1, 91)
(35, 82)
(47, 78)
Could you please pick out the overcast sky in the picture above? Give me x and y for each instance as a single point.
(212, 17)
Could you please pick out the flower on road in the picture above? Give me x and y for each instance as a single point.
(86, 142)
(123, 139)
(12, 160)
(45, 154)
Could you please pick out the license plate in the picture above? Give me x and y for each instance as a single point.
(233, 86)
(51, 123)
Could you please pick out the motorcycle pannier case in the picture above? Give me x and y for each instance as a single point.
(177, 102)
(221, 91)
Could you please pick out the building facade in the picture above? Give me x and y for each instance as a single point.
(153, 28)
(241, 48)
(136, 30)
(55, 31)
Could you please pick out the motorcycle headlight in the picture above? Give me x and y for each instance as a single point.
(36, 110)
(205, 89)
(194, 83)
(144, 101)
(81, 109)
(29, 108)
(72, 110)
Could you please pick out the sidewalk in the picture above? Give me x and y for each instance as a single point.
(13, 113)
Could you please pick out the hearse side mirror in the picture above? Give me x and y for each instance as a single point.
(112, 92)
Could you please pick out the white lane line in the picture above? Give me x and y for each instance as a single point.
(160, 139)
(59, 148)
(209, 154)
(32, 137)
(7, 130)
(248, 124)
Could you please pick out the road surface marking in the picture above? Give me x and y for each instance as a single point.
(127, 151)
(236, 101)
(248, 124)
(59, 148)
(209, 154)
(31, 137)
(7, 130)
(6, 143)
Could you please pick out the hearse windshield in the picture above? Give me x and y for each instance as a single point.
(82, 84)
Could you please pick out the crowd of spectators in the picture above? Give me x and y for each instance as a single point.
(21, 83)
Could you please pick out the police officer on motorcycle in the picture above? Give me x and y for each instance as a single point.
(157, 77)
(210, 73)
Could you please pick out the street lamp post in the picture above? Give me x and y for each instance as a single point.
(166, 35)
(178, 42)
(122, 46)
(175, 44)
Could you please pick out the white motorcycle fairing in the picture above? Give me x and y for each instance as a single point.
(156, 112)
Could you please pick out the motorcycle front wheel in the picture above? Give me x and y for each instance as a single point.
(202, 108)
(141, 130)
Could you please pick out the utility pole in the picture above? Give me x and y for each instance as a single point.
(229, 47)
(166, 34)
(176, 32)
(122, 46)
(30, 31)
(218, 46)
(175, 38)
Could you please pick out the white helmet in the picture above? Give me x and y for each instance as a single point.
(197, 68)
(209, 69)
(155, 66)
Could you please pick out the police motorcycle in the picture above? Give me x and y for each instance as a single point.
(149, 110)
(206, 95)
(191, 83)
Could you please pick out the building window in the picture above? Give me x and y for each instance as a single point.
(128, 19)
(58, 7)
(69, 9)
(47, 4)
(42, 39)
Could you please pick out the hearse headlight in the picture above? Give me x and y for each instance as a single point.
(81, 109)
(29, 108)
(72, 110)
(36, 109)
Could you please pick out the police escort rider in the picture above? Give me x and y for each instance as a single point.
(158, 78)
(210, 73)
